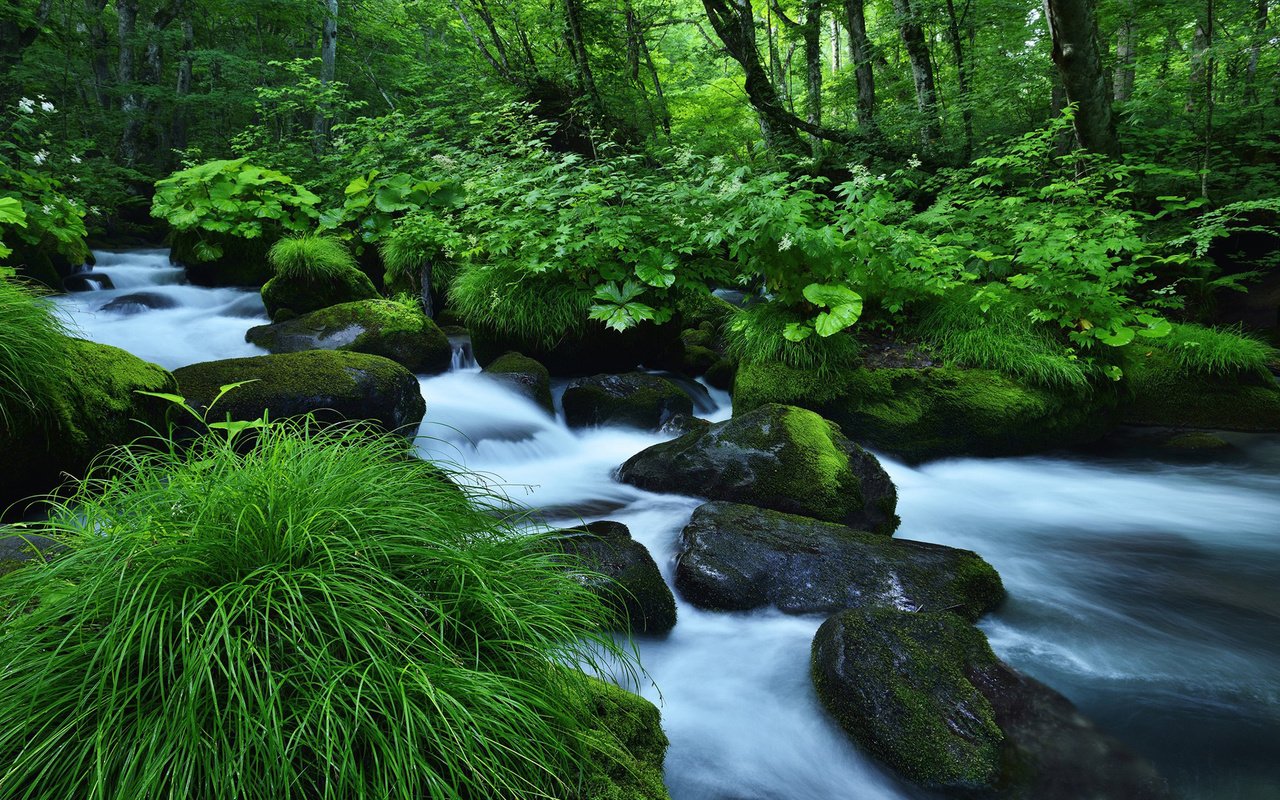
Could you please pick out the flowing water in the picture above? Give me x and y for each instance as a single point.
(1147, 592)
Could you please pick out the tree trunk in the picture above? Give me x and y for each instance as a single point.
(860, 57)
(1255, 52)
(921, 70)
(962, 72)
(328, 69)
(1073, 28)
(811, 32)
(178, 125)
(126, 75)
(578, 49)
(1126, 55)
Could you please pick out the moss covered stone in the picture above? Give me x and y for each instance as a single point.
(377, 327)
(1160, 393)
(334, 385)
(722, 373)
(524, 375)
(737, 557)
(629, 746)
(301, 295)
(635, 591)
(918, 414)
(779, 457)
(635, 399)
(243, 261)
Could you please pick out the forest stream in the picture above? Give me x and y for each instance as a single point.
(1144, 590)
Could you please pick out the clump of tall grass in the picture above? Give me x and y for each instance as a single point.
(313, 257)
(34, 363)
(314, 616)
(1198, 350)
(538, 307)
(755, 335)
(1004, 338)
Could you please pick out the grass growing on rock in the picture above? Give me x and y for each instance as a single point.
(313, 258)
(1197, 350)
(754, 335)
(315, 616)
(34, 362)
(538, 307)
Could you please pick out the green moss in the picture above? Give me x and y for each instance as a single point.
(918, 414)
(302, 296)
(528, 376)
(721, 374)
(826, 470)
(698, 360)
(897, 683)
(1161, 392)
(630, 746)
(392, 330)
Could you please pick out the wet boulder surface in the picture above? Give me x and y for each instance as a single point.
(778, 457)
(633, 399)
(737, 557)
(525, 376)
(634, 590)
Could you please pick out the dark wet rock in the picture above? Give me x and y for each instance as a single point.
(682, 424)
(924, 693)
(627, 729)
(300, 295)
(636, 399)
(592, 351)
(721, 374)
(525, 376)
(87, 282)
(138, 302)
(736, 557)
(334, 384)
(635, 592)
(243, 262)
(377, 327)
(779, 457)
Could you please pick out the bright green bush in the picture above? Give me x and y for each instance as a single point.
(314, 616)
(313, 257)
(534, 306)
(418, 239)
(757, 334)
(1198, 350)
(33, 354)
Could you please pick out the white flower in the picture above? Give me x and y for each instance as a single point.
(914, 161)
(75, 159)
(716, 164)
(40, 157)
(94, 210)
(27, 106)
(47, 209)
(785, 244)
(75, 178)
(444, 161)
(47, 106)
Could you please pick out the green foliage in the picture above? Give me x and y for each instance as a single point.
(11, 213)
(1002, 337)
(314, 615)
(419, 238)
(375, 202)
(536, 307)
(314, 258)
(34, 363)
(763, 333)
(1201, 351)
(233, 198)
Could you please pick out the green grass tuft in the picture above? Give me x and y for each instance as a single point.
(34, 363)
(536, 307)
(1004, 338)
(316, 616)
(1198, 350)
(754, 335)
(314, 258)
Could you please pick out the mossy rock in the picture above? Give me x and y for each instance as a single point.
(920, 414)
(1159, 393)
(635, 592)
(636, 399)
(377, 327)
(99, 410)
(704, 311)
(722, 373)
(333, 384)
(243, 261)
(924, 693)
(737, 558)
(594, 350)
(697, 360)
(525, 376)
(779, 457)
(629, 746)
(300, 295)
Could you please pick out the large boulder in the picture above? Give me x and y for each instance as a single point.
(1160, 393)
(629, 746)
(636, 399)
(779, 457)
(919, 414)
(377, 327)
(925, 694)
(634, 590)
(243, 261)
(101, 409)
(594, 350)
(525, 376)
(333, 384)
(288, 297)
(137, 302)
(736, 558)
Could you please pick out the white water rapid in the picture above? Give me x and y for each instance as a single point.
(1146, 592)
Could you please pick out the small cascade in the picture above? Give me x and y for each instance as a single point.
(463, 357)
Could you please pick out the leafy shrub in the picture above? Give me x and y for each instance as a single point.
(417, 239)
(535, 306)
(233, 198)
(314, 258)
(757, 334)
(375, 202)
(1198, 350)
(314, 616)
(33, 355)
